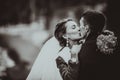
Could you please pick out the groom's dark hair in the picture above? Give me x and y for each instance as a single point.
(96, 21)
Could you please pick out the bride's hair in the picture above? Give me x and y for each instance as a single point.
(60, 30)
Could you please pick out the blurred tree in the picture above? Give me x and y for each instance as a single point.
(14, 11)
(26, 11)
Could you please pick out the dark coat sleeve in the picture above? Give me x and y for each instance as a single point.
(68, 71)
(88, 61)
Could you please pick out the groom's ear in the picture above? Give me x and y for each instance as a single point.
(87, 28)
(65, 36)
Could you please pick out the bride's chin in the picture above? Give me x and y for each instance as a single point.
(77, 39)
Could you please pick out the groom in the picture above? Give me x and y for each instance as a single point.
(91, 25)
(94, 64)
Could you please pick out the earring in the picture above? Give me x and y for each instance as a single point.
(67, 42)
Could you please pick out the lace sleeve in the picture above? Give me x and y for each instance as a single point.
(68, 71)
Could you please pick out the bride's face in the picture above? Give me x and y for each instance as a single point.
(72, 30)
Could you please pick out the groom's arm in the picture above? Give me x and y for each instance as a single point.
(68, 71)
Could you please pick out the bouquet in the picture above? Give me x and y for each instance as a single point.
(106, 42)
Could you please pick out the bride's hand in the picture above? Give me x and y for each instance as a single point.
(74, 52)
(76, 48)
(65, 54)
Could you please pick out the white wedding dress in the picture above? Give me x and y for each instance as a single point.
(45, 67)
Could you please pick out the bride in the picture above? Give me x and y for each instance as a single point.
(66, 34)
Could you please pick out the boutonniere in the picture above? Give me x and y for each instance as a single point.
(106, 42)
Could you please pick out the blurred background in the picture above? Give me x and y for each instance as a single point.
(25, 25)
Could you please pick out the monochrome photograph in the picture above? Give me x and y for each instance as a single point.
(59, 40)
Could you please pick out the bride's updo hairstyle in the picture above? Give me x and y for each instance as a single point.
(60, 30)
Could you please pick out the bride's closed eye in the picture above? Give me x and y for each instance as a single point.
(73, 27)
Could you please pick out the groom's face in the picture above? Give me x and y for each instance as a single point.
(84, 28)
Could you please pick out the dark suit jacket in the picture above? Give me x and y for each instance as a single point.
(88, 60)
(95, 65)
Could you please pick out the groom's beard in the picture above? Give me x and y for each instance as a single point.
(83, 36)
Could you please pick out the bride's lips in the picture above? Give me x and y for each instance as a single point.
(80, 34)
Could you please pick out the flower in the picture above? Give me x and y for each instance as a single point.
(106, 42)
